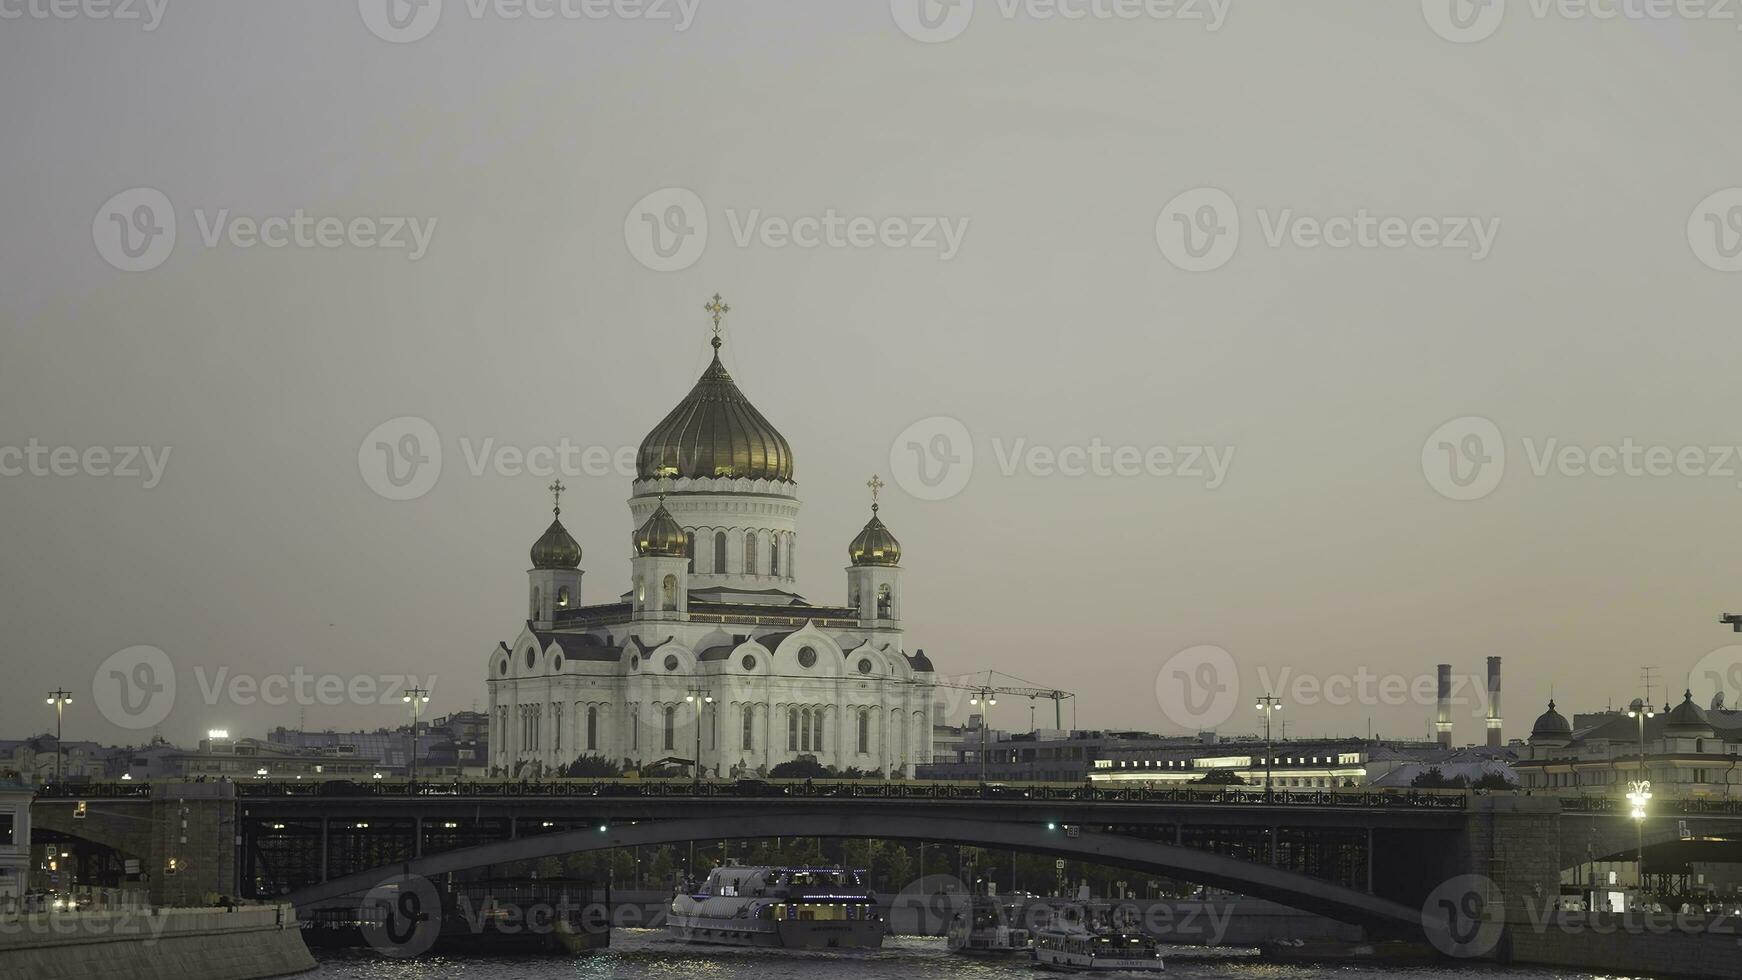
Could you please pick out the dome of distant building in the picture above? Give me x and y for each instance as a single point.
(1551, 724)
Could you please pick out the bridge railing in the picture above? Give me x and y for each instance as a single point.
(116, 790)
(1660, 806)
(850, 789)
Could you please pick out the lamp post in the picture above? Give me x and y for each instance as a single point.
(1639, 791)
(417, 697)
(701, 699)
(983, 696)
(1267, 704)
(60, 698)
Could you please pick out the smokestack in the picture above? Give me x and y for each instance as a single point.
(1494, 739)
(1443, 717)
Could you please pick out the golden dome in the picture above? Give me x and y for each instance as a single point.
(714, 432)
(556, 548)
(875, 545)
(660, 536)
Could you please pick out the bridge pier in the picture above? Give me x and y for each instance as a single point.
(183, 836)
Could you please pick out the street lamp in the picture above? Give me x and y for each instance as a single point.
(1640, 789)
(417, 697)
(701, 699)
(984, 694)
(1268, 705)
(60, 698)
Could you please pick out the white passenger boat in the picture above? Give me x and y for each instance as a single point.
(794, 908)
(1070, 947)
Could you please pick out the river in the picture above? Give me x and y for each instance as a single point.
(646, 954)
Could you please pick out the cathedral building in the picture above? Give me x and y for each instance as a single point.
(711, 653)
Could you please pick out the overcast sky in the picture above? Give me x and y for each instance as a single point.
(1544, 270)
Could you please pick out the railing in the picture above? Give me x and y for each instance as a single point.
(1660, 806)
(129, 790)
(846, 789)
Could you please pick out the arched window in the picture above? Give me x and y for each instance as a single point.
(592, 728)
(864, 731)
(669, 590)
(804, 735)
(749, 552)
(774, 555)
(689, 549)
(640, 591)
(749, 740)
(885, 603)
(817, 741)
(792, 729)
(670, 727)
(562, 597)
(719, 552)
(535, 597)
(635, 727)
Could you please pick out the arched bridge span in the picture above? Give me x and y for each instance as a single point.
(1191, 864)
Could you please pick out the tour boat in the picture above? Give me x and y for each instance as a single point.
(794, 908)
(986, 928)
(1072, 948)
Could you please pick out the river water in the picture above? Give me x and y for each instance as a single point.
(646, 954)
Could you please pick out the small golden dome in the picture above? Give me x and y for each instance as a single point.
(660, 536)
(556, 548)
(875, 545)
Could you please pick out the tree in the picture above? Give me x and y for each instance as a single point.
(591, 767)
(1433, 778)
(1494, 781)
(804, 767)
(1222, 777)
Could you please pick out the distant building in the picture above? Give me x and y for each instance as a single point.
(34, 758)
(1331, 763)
(15, 800)
(1116, 758)
(1689, 752)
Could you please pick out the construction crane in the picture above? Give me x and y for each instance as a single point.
(984, 695)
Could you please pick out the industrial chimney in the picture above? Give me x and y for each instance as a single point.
(1443, 717)
(1494, 737)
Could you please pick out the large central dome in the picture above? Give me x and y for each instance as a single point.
(715, 432)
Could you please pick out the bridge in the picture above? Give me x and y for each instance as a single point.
(1363, 857)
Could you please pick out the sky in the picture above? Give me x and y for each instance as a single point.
(1308, 345)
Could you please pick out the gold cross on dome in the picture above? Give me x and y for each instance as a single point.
(719, 309)
(556, 489)
(876, 484)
